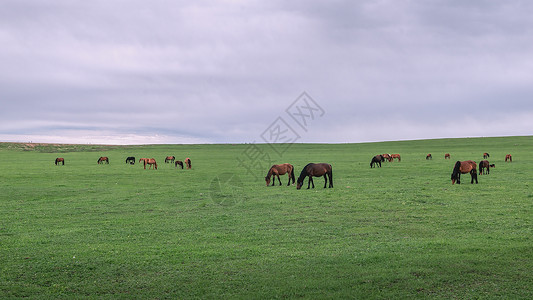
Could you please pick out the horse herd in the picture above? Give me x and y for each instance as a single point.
(460, 167)
(151, 162)
(310, 170)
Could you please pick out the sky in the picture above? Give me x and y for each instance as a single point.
(172, 72)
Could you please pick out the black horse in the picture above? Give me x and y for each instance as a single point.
(376, 160)
(316, 170)
(130, 160)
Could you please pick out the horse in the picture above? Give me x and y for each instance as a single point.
(60, 160)
(429, 156)
(482, 165)
(316, 170)
(281, 169)
(376, 160)
(188, 163)
(170, 159)
(486, 155)
(492, 166)
(393, 156)
(387, 157)
(463, 167)
(151, 162)
(508, 157)
(143, 159)
(178, 162)
(447, 156)
(130, 160)
(103, 159)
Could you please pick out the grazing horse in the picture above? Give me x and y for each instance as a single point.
(376, 160)
(484, 164)
(393, 156)
(188, 163)
(508, 157)
(151, 162)
(103, 159)
(277, 170)
(170, 159)
(463, 167)
(178, 162)
(60, 160)
(316, 170)
(486, 155)
(387, 157)
(447, 156)
(130, 160)
(429, 156)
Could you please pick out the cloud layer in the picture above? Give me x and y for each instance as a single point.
(222, 71)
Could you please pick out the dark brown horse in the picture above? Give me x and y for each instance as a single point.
(463, 167)
(397, 156)
(486, 155)
(484, 164)
(188, 163)
(315, 170)
(170, 159)
(151, 162)
(60, 160)
(130, 160)
(447, 156)
(429, 156)
(103, 159)
(277, 170)
(508, 157)
(376, 160)
(178, 162)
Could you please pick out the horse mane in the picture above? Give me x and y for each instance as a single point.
(456, 169)
(269, 174)
(303, 173)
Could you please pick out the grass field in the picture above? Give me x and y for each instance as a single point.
(401, 231)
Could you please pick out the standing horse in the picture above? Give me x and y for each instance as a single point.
(170, 159)
(277, 170)
(429, 156)
(447, 156)
(486, 155)
(103, 159)
(393, 156)
(151, 162)
(376, 160)
(482, 165)
(463, 167)
(130, 160)
(508, 157)
(316, 170)
(188, 163)
(60, 160)
(178, 162)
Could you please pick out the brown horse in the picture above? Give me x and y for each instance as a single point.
(277, 170)
(393, 156)
(463, 167)
(188, 163)
(484, 164)
(387, 157)
(376, 160)
(486, 155)
(103, 159)
(151, 162)
(316, 170)
(60, 160)
(429, 156)
(170, 159)
(508, 157)
(447, 156)
(143, 160)
(178, 162)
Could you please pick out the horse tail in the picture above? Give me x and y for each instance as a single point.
(292, 174)
(330, 176)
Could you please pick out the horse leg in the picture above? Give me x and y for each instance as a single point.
(330, 175)
(325, 180)
(279, 180)
(379, 162)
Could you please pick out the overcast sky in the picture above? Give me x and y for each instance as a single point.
(137, 72)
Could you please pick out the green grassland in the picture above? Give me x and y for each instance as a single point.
(84, 230)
